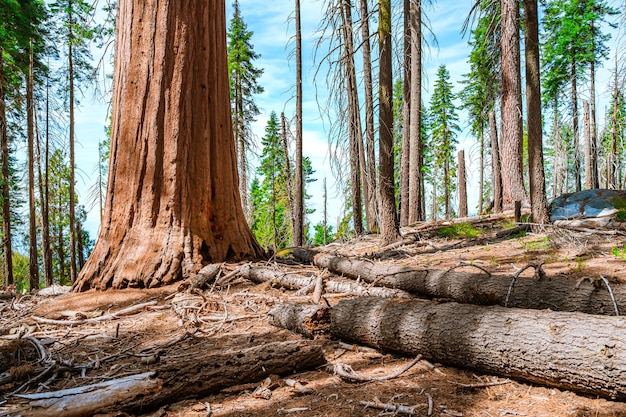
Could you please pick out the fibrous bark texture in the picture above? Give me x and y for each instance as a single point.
(172, 203)
(551, 348)
(476, 287)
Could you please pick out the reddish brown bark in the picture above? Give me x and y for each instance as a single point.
(172, 203)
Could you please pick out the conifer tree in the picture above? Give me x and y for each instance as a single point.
(444, 128)
(244, 84)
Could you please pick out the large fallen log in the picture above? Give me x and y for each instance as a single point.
(195, 375)
(477, 287)
(566, 350)
(294, 281)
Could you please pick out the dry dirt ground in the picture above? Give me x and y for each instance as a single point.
(235, 315)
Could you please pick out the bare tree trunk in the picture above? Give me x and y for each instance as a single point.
(371, 201)
(325, 214)
(388, 220)
(298, 231)
(576, 139)
(354, 115)
(7, 249)
(288, 172)
(43, 202)
(462, 185)
(588, 146)
(511, 130)
(415, 130)
(406, 112)
(611, 179)
(594, 129)
(481, 178)
(496, 171)
(70, 57)
(173, 204)
(537, 182)
(32, 213)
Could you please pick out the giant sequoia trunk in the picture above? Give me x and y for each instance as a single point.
(172, 203)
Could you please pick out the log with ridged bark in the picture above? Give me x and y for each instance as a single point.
(196, 374)
(478, 287)
(574, 351)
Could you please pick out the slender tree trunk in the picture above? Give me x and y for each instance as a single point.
(462, 185)
(435, 204)
(406, 112)
(240, 137)
(388, 220)
(354, 122)
(594, 129)
(325, 213)
(288, 172)
(173, 204)
(496, 171)
(70, 57)
(32, 213)
(298, 232)
(43, 196)
(511, 131)
(7, 250)
(588, 147)
(415, 130)
(371, 200)
(611, 179)
(559, 160)
(481, 178)
(446, 189)
(576, 139)
(537, 182)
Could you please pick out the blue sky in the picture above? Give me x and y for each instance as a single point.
(272, 26)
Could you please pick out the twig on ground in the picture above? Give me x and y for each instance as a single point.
(346, 372)
(124, 312)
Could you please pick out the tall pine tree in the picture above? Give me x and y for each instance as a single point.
(244, 84)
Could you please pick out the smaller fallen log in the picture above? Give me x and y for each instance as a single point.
(195, 375)
(87, 399)
(574, 351)
(479, 288)
(294, 281)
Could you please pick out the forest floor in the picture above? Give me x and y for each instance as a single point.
(235, 316)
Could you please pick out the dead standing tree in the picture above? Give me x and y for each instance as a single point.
(172, 203)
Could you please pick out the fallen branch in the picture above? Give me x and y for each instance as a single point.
(557, 294)
(392, 408)
(124, 312)
(294, 281)
(346, 372)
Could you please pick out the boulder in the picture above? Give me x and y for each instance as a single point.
(590, 208)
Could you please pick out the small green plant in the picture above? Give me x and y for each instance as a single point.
(534, 245)
(619, 252)
(580, 263)
(459, 231)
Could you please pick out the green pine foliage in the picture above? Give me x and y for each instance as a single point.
(270, 199)
(244, 76)
(443, 123)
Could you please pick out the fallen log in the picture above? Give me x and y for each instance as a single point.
(87, 399)
(566, 350)
(298, 281)
(479, 288)
(195, 375)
